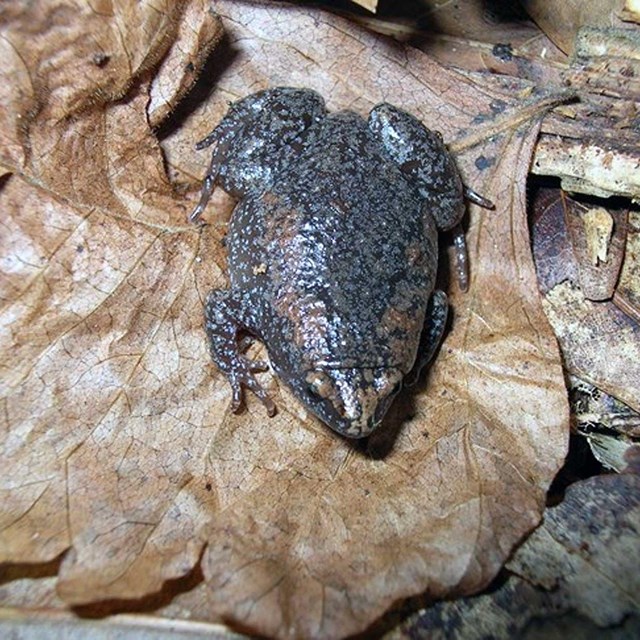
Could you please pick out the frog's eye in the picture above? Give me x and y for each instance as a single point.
(319, 384)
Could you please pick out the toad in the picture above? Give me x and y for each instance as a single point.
(332, 251)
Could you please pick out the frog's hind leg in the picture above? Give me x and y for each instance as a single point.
(425, 160)
(434, 325)
(222, 326)
(427, 164)
(430, 167)
(258, 135)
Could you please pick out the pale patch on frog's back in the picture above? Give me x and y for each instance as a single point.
(308, 322)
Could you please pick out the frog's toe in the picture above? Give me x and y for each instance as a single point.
(251, 383)
(236, 395)
(244, 343)
(266, 400)
(254, 366)
(245, 377)
(258, 366)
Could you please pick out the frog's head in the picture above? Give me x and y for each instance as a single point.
(352, 401)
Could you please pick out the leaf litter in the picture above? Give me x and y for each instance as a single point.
(117, 444)
(574, 568)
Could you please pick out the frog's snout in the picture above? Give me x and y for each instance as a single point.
(361, 429)
(354, 401)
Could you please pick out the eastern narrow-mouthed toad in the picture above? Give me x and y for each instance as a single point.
(333, 250)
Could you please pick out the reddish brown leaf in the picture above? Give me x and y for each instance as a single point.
(561, 19)
(598, 237)
(599, 341)
(627, 295)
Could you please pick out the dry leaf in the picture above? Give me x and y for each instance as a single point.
(587, 549)
(188, 54)
(598, 225)
(117, 443)
(631, 11)
(562, 19)
(583, 559)
(599, 342)
(598, 237)
(476, 36)
(371, 5)
(627, 295)
(34, 625)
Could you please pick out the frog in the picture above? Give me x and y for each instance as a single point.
(332, 251)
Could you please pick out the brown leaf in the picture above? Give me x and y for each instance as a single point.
(42, 624)
(189, 51)
(117, 437)
(562, 19)
(91, 271)
(630, 11)
(476, 36)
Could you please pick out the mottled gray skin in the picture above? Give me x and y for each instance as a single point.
(333, 250)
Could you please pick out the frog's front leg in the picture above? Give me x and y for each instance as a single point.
(434, 325)
(222, 323)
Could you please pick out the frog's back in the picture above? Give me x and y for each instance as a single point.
(350, 257)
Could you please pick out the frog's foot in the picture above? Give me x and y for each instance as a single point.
(459, 242)
(462, 257)
(244, 345)
(434, 325)
(476, 198)
(241, 374)
(222, 326)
